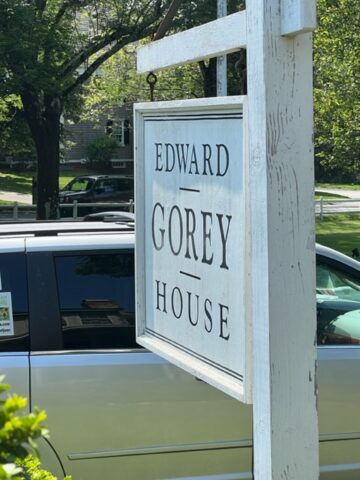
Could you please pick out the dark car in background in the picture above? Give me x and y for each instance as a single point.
(96, 189)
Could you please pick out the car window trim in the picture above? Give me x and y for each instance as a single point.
(44, 314)
(338, 265)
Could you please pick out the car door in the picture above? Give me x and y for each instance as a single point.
(105, 190)
(116, 410)
(338, 301)
(124, 190)
(14, 316)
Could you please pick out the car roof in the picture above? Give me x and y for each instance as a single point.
(111, 216)
(58, 228)
(97, 177)
(111, 231)
(337, 256)
(73, 236)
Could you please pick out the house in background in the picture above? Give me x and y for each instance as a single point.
(118, 124)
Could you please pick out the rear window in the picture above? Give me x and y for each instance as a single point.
(97, 300)
(14, 309)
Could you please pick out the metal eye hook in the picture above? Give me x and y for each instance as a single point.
(151, 80)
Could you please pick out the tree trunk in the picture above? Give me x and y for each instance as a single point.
(44, 122)
(208, 73)
(48, 171)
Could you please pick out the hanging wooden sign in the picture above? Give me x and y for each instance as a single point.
(190, 238)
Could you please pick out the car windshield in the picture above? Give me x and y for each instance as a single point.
(79, 185)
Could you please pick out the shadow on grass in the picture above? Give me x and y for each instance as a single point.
(21, 183)
(344, 242)
(341, 232)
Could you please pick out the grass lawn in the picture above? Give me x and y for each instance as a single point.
(341, 231)
(21, 182)
(339, 186)
(67, 175)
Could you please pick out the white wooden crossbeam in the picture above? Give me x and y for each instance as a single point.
(220, 37)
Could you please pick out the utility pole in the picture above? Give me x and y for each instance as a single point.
(221, 65)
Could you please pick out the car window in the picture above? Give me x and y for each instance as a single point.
(14, 310)
(79, 185)
(125, 184)
(109, 186)
(338, 306)
(97, 303)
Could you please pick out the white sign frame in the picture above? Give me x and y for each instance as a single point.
(234, 383)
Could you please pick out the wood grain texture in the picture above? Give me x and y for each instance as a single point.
(283, 259)
(219, 37)
(297, 16)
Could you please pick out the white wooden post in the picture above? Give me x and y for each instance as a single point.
(221, 62)
(283, 272)
(282, 275)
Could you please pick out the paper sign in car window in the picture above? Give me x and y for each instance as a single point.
(6, 315)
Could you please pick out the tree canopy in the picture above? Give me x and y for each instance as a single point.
(48, 50)
(336, 82)
(337, 90)
(15, 140)
(118, 80)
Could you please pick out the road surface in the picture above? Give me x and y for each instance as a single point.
(16, 197)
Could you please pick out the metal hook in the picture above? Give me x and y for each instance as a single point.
(151, 80)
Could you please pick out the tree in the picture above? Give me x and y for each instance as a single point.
(48, 50)
(119, 81)
(197, 13)
(14, 131)
(336, 90)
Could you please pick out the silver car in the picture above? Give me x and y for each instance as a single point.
(117, 411)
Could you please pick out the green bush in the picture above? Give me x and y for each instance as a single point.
(100, 150)
(18, 433)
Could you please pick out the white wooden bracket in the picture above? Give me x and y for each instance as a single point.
(198, 43)
(297, 16)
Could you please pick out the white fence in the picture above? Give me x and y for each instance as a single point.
(327, 206)
(15, 211)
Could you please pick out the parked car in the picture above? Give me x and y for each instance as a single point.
(115, 410)
(110, 216)
(96, 189)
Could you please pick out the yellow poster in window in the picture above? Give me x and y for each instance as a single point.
(6, 315)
